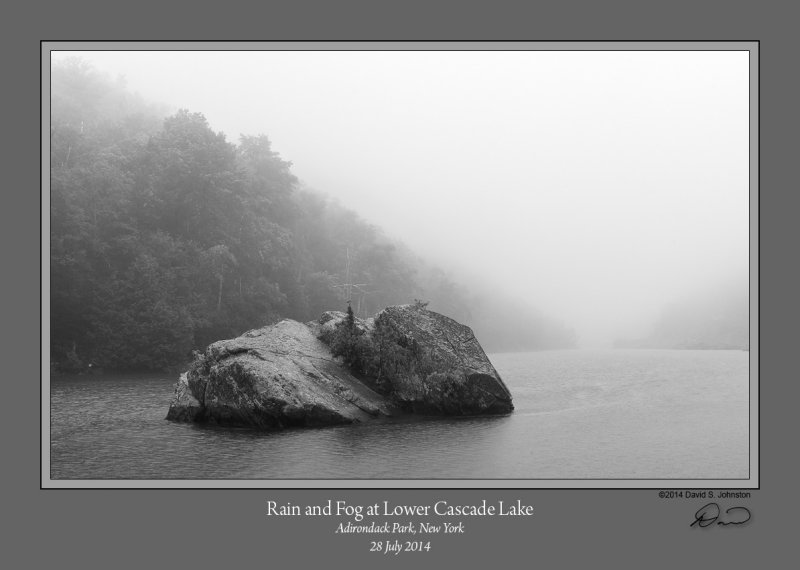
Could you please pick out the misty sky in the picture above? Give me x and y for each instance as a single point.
(597, 185)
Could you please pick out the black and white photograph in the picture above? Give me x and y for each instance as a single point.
(400, 265)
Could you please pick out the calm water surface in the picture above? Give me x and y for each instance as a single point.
(649, 414)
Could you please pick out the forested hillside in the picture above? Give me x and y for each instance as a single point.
(165, 236)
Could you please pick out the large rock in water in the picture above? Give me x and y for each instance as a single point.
(274, 377)
(283, 375)
(454, 375)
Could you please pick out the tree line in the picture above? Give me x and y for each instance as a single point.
(165, 236)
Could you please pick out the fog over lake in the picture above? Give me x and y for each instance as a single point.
(599, 186)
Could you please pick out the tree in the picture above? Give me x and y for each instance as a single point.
(219, 261)
(187, 182)
(350, 342)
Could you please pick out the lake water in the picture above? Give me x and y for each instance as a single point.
(580, 414)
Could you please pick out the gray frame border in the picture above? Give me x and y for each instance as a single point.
(753, 482)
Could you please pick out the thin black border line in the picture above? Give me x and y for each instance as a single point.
(397, 41)
(41, 277)
(758, 272)
(468, 479)
(758, 276)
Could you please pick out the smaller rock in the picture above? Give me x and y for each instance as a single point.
(185, 407)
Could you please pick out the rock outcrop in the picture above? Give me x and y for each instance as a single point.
(456, 376)
(285, 375)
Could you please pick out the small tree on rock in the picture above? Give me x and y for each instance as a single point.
(350, 343)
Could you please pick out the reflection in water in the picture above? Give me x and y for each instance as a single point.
(579, 414)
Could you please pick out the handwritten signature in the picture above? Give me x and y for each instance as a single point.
(708, 515)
